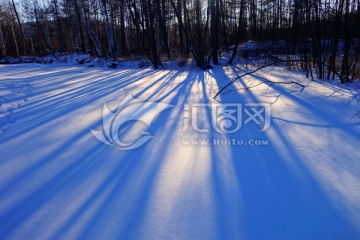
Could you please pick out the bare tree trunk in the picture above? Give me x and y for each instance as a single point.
(200, 51)
(345, 63)
(335, 41)
(239, 33)
(32, 45)
(318, 41)
(59, 32)
(109, 31)
(15, 40)
(80, 39)
(93, 37)
(186, 30)
(160, 8)
(181, 33)
(122, 28)
(44, 30)
(21, 30)
(2, 42)
(144, 27)
(214, 32)
(224, 31)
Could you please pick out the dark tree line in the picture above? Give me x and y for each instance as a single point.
(321, 36)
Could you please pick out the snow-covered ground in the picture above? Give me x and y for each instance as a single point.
(57, 181)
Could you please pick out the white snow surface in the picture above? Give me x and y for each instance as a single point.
(57, 181)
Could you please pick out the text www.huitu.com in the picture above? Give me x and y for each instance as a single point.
(225, 142)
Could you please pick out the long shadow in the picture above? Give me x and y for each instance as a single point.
(42, 163)
(279, 203)
(318, 111)
(145, 174)
(111, 188)
(266, 200)
(226, 217)
(64, 180)
(51, 107)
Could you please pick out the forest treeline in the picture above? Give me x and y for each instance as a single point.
(320, 36)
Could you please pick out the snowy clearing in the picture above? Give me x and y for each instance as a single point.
(57, 181)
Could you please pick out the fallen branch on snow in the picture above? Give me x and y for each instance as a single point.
(266, 81)
(356, 114)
